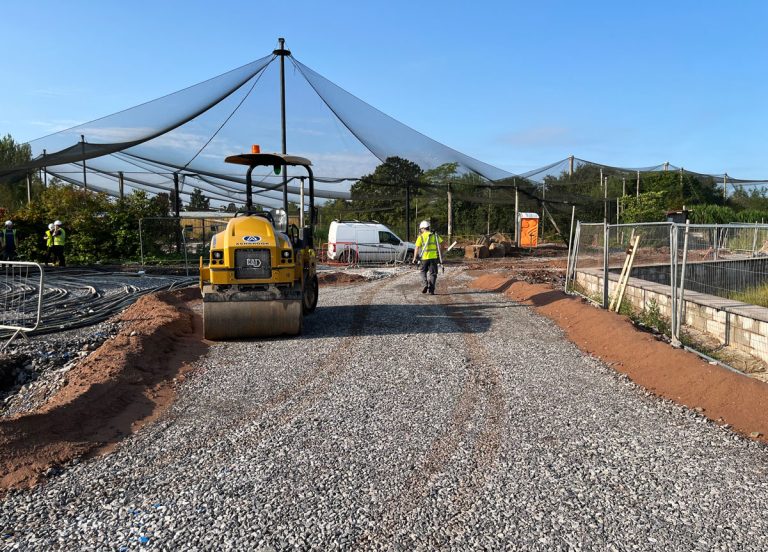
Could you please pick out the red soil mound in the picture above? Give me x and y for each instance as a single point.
(124, 384)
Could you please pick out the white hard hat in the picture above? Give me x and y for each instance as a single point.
(50, 226)
(8, 223)
(424, 224)
(57, 223)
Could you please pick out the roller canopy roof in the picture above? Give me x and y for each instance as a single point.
(258, 159)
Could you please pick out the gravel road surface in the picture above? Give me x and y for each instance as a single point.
(404, 421)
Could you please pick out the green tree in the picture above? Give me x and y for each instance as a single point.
(683, 189)
(198, 202)
(646, 207)
(381, 195)
(13, 190)
(755, 199)
(84, 214)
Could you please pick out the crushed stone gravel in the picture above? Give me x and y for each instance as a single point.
(406, 421)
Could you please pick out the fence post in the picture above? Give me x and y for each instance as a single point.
(575, 256)
(681, 292)
(606, 231)
(673, 283)
(570, 247)
(754, 241)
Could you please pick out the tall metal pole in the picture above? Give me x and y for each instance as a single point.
(121, 183)
(450, 214)
(85, 178)
(29, 188)
(282, 52)
(725, 186)
(637, 186)
(488, 222)
(517, 218)
(45, 172)
(407, 210)
(176, 210)
(543, 207)
(301, 204)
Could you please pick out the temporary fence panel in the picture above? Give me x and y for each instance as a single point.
(179, 241)
(339, 253)
(363, 254)
(704, 286)
(723, 292)
(21, 296)
(586, 253)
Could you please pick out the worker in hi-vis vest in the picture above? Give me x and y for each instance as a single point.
(48, 244)
(59, 239)
(428, 251)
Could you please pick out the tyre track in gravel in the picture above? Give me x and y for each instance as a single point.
(292, 399)
(486, 380)
(480, 395)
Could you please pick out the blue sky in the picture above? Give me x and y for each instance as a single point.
(515, 84)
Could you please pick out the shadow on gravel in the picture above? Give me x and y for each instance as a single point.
(386, 319)
(547, 297)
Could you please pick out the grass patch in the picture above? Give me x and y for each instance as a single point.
(650, 317)
(754, 296)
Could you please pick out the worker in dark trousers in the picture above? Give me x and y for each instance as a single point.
(9, 242)
(427, 249)
(59, 239)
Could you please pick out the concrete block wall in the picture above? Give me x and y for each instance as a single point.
(733, 323)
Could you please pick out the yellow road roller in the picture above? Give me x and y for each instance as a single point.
(261, 275)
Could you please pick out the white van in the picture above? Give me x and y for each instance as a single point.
(355, 241)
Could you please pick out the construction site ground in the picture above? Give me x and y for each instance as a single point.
(499, 413)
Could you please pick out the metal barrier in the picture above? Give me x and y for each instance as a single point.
(362, 254)
(21, 297)
(704, 286)
(171, 240)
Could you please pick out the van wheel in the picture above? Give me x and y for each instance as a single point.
(409, 256)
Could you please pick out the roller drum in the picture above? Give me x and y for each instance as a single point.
(246, 319)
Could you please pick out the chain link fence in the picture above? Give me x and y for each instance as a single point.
(703, 286)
